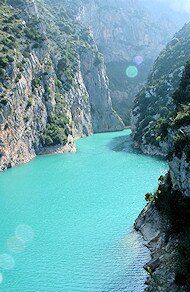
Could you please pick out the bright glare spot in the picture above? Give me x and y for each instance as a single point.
(24, 232)
(138, 60)
(1, 278)
(6, 261)
(132, 71)
(15, 244)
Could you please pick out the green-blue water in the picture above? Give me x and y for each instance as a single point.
(81, 208)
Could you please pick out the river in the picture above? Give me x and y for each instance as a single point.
(67, 220)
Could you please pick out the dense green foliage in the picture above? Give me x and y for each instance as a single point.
(154, 101)
(181, 144)
(55, 134)
(57, 129)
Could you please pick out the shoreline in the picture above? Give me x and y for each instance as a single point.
(69, 147)
(160, 268)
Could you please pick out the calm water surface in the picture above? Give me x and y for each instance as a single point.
(66, 220)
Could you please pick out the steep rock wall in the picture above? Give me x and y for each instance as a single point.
(154, 104)
(165, 221)
(46, 97)
(128, 34)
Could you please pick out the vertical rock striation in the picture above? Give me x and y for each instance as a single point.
(53, 87)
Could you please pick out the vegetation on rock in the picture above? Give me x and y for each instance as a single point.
(154, 105)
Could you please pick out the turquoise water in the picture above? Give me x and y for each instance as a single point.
(66, 220)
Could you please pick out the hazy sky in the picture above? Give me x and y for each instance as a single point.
(182, 5)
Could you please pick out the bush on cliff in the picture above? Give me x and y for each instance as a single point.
(54, 135)
(174, 205)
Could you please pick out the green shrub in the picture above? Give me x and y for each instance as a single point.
(182, 96)
(85, 97)
(10, 58)
(54, 135)
(149, 197)
(35, 83)
(30, 101)
(18, 77)
(3, 62)
(174, 205)
(2, 72)
(48, 90)
(181, 144)
(182, 117)
(3, 101)
(162, 127)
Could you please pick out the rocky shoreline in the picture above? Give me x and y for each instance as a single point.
(163, 250)
(69, 147)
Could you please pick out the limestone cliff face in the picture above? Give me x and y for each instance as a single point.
(154, 104)
(179, 136)
(52, 88)
(180, 174)
(161, 267)
(99, 95)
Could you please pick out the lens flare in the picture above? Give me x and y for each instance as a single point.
(15, 245)
(132, 72)
(24, 232)
(138, 60)
(6, 261)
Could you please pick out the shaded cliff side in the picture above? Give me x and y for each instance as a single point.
(53, 84)
(165, 222)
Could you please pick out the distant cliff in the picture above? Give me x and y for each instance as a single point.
(53, 84)
(128, 33)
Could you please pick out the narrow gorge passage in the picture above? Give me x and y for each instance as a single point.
(76, 213)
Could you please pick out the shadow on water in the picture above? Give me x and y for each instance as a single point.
(124, 144)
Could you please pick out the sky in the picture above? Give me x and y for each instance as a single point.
(179, 5)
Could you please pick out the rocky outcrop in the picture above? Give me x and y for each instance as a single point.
(99, 96)
(162, 266)
(53, 86)
(154, 104)
(180, 174)
(165, 221)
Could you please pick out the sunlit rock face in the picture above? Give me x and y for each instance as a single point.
(53, 87)
(154, 104)
(129, 35)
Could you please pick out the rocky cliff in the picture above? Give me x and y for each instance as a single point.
(154, 104)
(53, 84)
(165, 222)
(130, 35)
